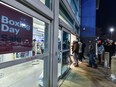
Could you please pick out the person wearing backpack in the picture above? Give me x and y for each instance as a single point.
(75, 51)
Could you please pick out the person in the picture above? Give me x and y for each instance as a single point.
(111, 50)
(80, 51)
(83, 49)
(34, 45)
(75, 50)
(100, 51)
(42, 46)
(92, 55)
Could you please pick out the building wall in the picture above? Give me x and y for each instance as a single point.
(88, 18)
(88, 22)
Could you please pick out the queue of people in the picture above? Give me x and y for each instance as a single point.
(110, 46)
(78, 49)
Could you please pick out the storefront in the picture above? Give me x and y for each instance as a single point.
(38, 54)
(63, 51)
(18, 65)
(67, 34)
(65, 40)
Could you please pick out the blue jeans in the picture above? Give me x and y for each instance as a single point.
(92, 60)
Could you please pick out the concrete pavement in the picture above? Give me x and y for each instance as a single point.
(84, 76)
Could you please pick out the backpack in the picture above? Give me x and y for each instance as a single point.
(75, 47)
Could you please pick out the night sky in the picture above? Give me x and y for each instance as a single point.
(106, 15)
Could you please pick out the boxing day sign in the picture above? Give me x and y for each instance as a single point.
(15, 30)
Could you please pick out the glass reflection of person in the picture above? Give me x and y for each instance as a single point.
(34, 44)
(42, 46)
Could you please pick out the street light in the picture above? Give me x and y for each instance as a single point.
(111, 30)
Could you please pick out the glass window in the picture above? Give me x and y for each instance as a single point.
(65, 51)
(39, 37)
(65, 15)
(39, 40)
(66, 40)
(65, 61)
(75, 5)
(47, 3)
(33, 73)
(63, 19)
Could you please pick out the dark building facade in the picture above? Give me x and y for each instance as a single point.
(88, 20)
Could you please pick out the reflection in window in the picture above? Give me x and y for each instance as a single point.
(63, 19)
(40, 38)
(66, 40)
(22, 54)
(47, 3)
(65, 61)
(75, 5)
(65, 15)
(66, 53)
(59, 39)
(36, 66)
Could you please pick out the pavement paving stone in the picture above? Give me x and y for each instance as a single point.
(84, 76)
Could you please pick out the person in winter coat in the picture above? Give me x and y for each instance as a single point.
(92, 62)
(100, 52)
(75, 51)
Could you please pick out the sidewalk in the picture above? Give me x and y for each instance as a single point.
(84, 76)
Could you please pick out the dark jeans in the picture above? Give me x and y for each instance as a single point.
(99, 58)
(80, 57)
(83, 55)
(92, 60)
(110, 55)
